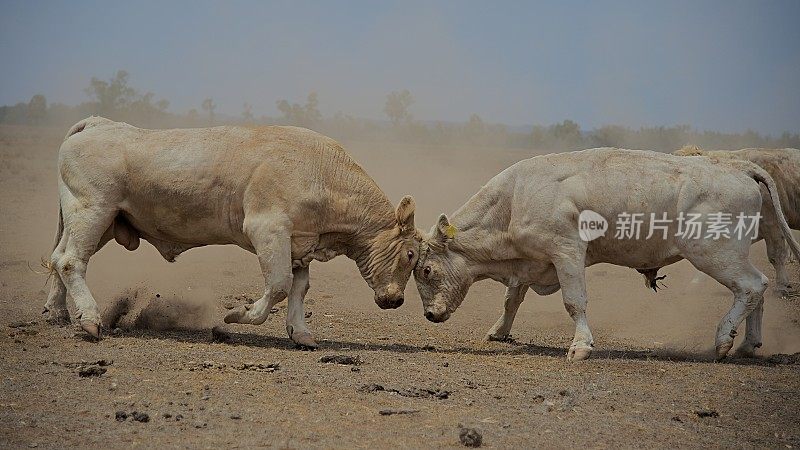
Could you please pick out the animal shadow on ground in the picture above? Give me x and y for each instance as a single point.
(147, 315)
(234, 338)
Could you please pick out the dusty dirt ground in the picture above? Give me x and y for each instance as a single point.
(650, 383)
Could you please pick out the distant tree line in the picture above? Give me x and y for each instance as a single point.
(116, 99)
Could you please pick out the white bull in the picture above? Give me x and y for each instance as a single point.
(522, 229)
(287, 194)
(783, 165)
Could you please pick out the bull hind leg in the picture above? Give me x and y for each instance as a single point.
(84, 228)
(55, 309)
(502, 328)
(271, 241)
(752, 338)
(734, 271)
(56, 306)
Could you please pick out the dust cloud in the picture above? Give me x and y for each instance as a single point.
(141, 308)
(441, 178)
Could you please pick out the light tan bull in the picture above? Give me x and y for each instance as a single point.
(287, 194)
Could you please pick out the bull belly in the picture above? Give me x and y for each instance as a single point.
(174, 227)
(634, 254)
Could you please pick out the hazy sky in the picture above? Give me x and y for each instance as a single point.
(726, 65)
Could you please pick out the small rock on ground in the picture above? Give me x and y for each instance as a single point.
(470, 437)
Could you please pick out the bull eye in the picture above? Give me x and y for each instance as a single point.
(426, 270)
(410, 255)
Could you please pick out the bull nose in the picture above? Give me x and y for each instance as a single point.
(391, 304)
(436, 318)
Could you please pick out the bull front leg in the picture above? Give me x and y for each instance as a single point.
(571, 272)
(502, 328)
(271, 239)
(295, 316)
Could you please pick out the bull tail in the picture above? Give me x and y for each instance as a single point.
(60, 228)
(47, 263)
(761, 176)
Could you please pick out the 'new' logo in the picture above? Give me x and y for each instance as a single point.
(591, 225)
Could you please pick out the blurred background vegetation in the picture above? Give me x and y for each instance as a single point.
(116, 99)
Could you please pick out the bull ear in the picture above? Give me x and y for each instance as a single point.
(405, 213)
(445, 232)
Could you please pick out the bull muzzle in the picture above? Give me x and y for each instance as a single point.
(436, 315)
(390, 298)
(389, 303)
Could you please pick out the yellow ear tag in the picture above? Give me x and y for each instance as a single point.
(450, 232)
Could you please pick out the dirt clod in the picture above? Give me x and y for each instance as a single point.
(91, 371)
(470, 437)
(370, 388)
(411, 392)
(392, 412)
(703, 413)
(345, 360)
(259, 367)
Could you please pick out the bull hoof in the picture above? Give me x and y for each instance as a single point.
(59, 317)
(91, 328)
(578, 353)
(499, 337)
(237, 315)
(723, 349)
(303, 339)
